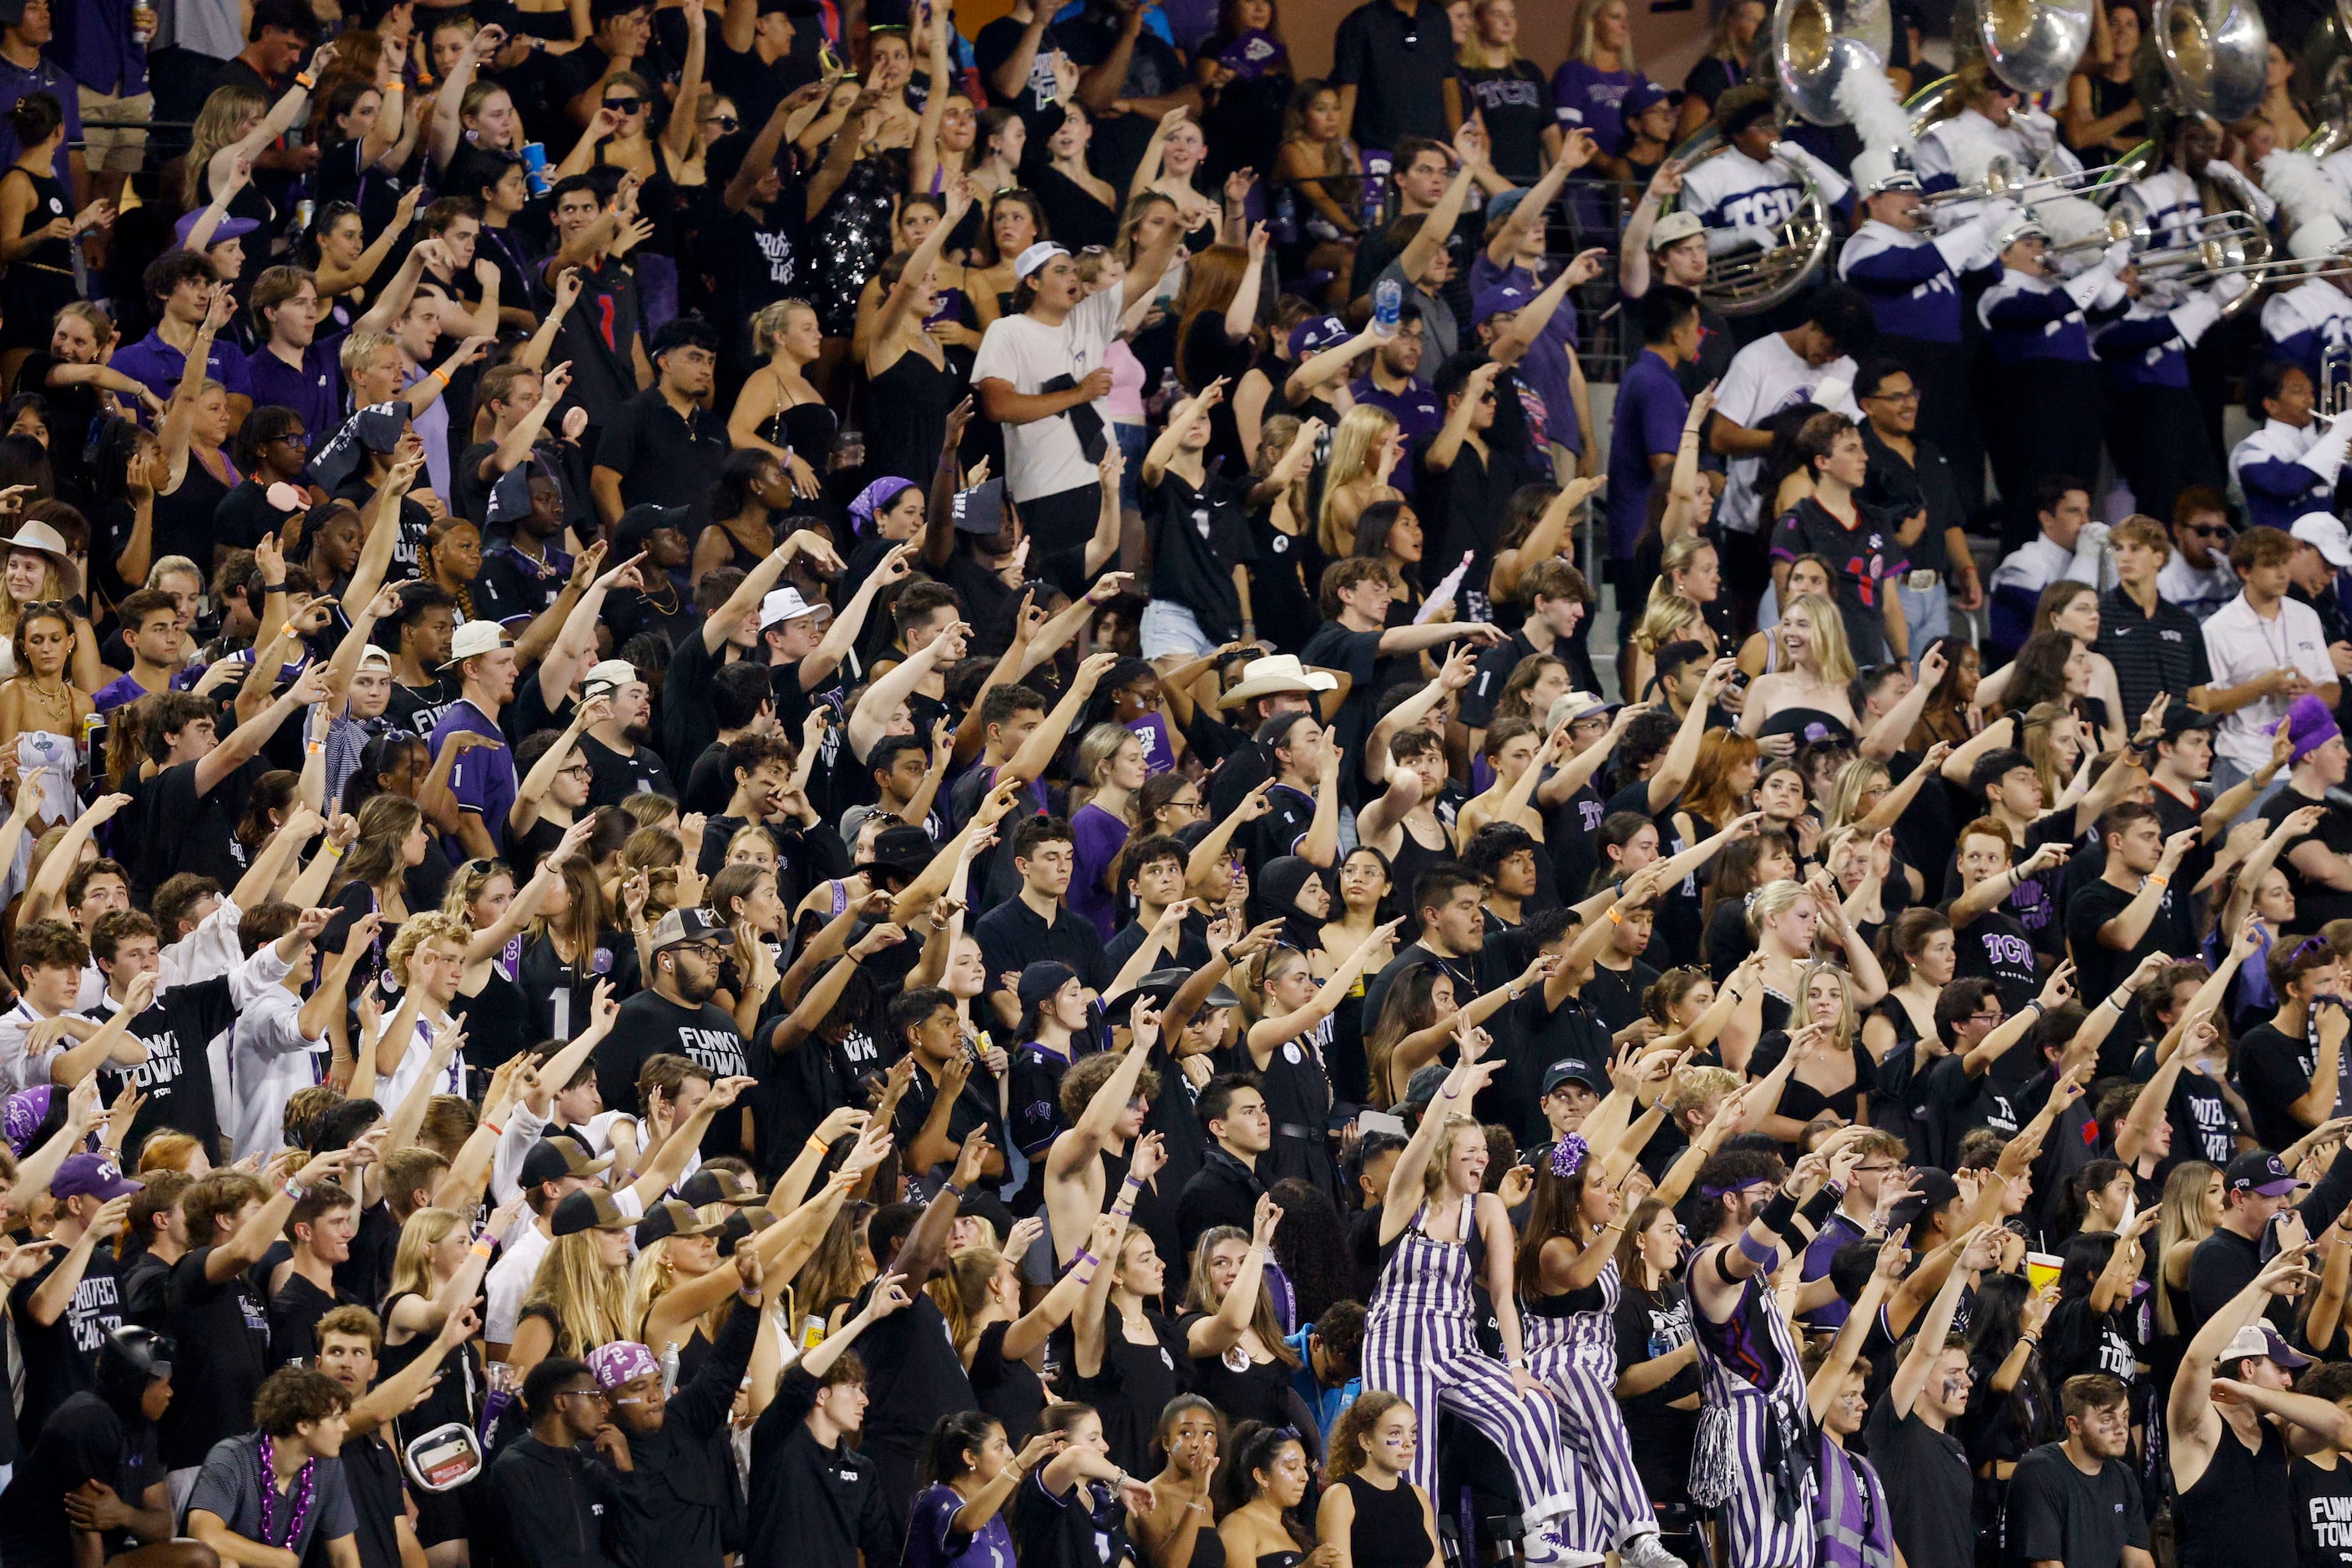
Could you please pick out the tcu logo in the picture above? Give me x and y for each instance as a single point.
(1767, 207)
(2012, 951)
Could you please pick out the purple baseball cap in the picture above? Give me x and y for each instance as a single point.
(229, 228)
(92, 1175)
(1315, 335)
(1495, 300)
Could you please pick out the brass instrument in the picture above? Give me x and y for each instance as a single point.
(2215, 54)
(1808, 49)
(2335, 381)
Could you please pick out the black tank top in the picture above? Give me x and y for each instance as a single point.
(1413, 858)
(2240, 1514)
(1388, 1531)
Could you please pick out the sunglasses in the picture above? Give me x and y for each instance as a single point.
(2207, 530)
(625, 105)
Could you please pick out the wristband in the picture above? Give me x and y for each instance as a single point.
(1817, 1207)
(1133, 1180)
(2123, 1006)
(1085, 1255)
(334, 852)
(1615, 917)
(1777, 1214)
(276, 588)
(496, 1130)
(1085, 1281)
(295, 1190)
(442, 376)
(952, 1188)
(305, 80)
(818, 1144)
(313, 748)
(2160, 879)
(481, 1248)
(1765, 1257)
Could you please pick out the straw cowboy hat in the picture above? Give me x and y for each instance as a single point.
(1276, 673)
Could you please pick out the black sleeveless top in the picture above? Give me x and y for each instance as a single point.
(2241, 1510)
(1244, 1389)
(1413, 858)
(906, 417)
(1808, 724)
(1389, 1531)
(1134, 1384)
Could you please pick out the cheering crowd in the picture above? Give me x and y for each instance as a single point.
(786, 786)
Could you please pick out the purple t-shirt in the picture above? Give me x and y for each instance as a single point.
(1158, 756)
(934, 1541)
(483, 778)
(1546, 364)
(1649, 420)
(1099, 837)
(1595, 100)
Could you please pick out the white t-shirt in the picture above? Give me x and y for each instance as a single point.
(1766, 377)
(2241, 645)
(1042, 457)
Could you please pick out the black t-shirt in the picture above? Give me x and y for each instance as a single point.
(2315, 903)
(1615, 994)
(1198, 536)
(2323, 1513)
(755, 86)
(995, 45)
(1929, 1488)
(1649, 1327)
(617, 777)
(1995, 947)
(61, 1358)
(176, 1077)
(2099, 968)
(2056, 1513)
(912, 1374)
(2274, 1072)
(418, 709)
(191, 832)
(294, 1314)
(244, 514)
(663, 459)
(83, 1440)
(649, 1025)
(1866, 555)
(223, 1334)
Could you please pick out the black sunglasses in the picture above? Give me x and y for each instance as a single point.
(625, 105)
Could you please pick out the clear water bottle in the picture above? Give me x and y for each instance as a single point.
(849, 447)
(1387, 307)
(1169, 393)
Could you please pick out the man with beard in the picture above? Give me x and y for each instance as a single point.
(1392, 381)
(92, 1488)
(663, 447)
(673, 1015)
(426, 622)
(483, 778)
(2077, 1501)
(350, 1341)
(615, 746)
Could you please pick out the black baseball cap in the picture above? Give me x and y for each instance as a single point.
(1571, 1069)
(2261, 1172)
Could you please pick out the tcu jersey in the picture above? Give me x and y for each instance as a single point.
(2168, 200)
(2028, 319)
(1911, 280)
(1732, 192)
(2268, 466)
(2147, 345)
(1955, 152)
(2307, 321)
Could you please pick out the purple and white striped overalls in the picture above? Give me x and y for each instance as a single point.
(1575, 1356)
(1420, 1344)
(1752, 1456)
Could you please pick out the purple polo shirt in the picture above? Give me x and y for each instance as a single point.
(157, 366)
(118, 692)
(483, 779)
(315, 391)
(15, 82)
(93, 42)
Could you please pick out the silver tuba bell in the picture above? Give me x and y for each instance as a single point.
(1812, 46)
(2216, 53)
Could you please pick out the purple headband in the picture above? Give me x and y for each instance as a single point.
(877, 496)
(1713, 1193)
(1568, 1156)
(623, 1361)
(26, 1110)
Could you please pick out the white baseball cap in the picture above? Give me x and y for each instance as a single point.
(1036, 256)
(473, 640)
(784, 605)
(2325, 533)
(608, 675)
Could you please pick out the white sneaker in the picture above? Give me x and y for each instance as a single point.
(1544, 1549)
(1646, 1550)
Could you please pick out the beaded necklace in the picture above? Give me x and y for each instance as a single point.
(305, 1495)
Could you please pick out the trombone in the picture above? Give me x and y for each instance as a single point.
(2335, 381)
(2002, 178)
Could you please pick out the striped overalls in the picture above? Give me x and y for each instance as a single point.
(1753, 1457)
(1420, 1344)
(1575, 1355)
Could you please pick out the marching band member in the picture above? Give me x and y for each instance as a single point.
(1991, 121)
(1912, 280)
(2288, 466)
(1744, 193)
(2047, 422)
(2156, 429)
(2304, 322)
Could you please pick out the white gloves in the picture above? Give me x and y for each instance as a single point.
(2093, 537)
(1724, 241)
(2233, 179)
(1832, 185)
(2087, 287)
(2327, 454)
(2039, 130)
(2230, 288)
(2193, 319)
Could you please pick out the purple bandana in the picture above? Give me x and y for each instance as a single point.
(26, 1110)
(876, 498)
(623, 1361)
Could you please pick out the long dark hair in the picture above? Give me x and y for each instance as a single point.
(952, 1437)
(1254, 1446)
(1996, 1322)
(1551, 1211)
(1310, 1244)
